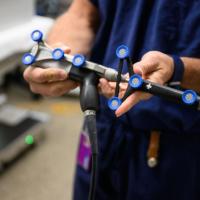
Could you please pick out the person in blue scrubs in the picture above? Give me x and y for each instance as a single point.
(153, 31)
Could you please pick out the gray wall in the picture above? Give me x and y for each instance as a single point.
(16, 12)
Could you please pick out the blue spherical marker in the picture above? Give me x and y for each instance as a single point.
(189, 97)
(135, 81)
(58, 54)
(78, 60)
(37, 36)
(114, 103)
(28, 59)
(122, 52)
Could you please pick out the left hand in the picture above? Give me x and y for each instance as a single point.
(154, 66)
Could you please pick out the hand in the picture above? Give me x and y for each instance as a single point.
(108, 88)
(82, 15)
(49, 82)
(154, 66)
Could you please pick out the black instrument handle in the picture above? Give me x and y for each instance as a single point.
(165, 92)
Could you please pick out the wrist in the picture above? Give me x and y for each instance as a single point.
(178, 73)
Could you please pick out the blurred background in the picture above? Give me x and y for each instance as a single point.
(38, 136)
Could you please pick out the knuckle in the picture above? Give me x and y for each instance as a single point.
(151, 55)
(40, 77)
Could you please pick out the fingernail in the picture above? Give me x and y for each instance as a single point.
(117, 114)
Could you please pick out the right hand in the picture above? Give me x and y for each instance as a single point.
(49, 82)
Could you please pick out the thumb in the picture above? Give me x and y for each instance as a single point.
(144, 67)
(64, 47)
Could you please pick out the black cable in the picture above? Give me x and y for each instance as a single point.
(89, 104)
(93, 179)
(90, 119)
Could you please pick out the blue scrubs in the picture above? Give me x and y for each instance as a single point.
(172, 27)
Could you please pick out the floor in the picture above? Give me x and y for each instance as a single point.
(46, 172)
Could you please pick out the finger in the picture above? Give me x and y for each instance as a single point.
(99, 88)
(127, 104)
(65, 48)
(53, 89)
(126, 75)
(131, 101)
(105, 88)
(156, 78)
(39, 75)
(122, 86)
(121, 93)
(112, 84)
(145, 66)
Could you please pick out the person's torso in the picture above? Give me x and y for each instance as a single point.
(172, 27)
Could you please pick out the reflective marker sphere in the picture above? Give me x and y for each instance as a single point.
(28, 59)
(29, 139)
(37, 36)
(189, 97)
(135, 81)
(58, 54)
(114, 103)
(122, 52)
(78, 60)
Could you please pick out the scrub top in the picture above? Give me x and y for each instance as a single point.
(172, 27)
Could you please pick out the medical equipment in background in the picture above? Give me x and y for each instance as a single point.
(88, 73)
(52, 8)
(19, 128)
